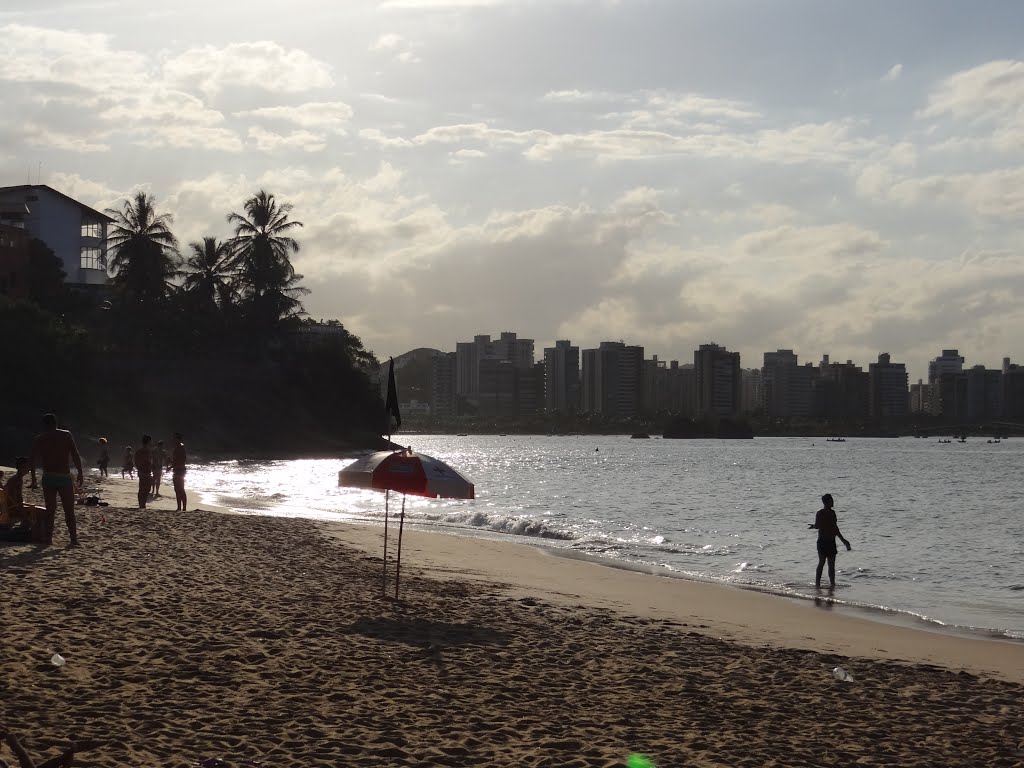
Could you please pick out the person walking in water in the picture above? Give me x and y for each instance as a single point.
(828, 529)
(178, 463)
(52, 449)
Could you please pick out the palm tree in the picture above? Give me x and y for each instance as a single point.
(260, 249)
(208, 275)
(142, 250)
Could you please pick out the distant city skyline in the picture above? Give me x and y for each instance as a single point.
(833, 178)
(745, 362)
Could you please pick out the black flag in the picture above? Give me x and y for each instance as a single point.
(391, 404)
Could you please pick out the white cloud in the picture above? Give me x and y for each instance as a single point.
(465, 155)
(894, 73)
(44, 137)
(86, 61)
(330, 116)
(265, 65)
(388, 42)
(992, 90)
(268, 141)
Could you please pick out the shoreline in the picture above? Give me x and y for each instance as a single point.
(735, 613)
(120, 493)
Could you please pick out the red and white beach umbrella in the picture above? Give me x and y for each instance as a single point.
(405, 472)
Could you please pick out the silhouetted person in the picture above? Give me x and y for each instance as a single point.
(159, 460)
(104, 460)
(178, 462)
(52, 449)
(129, 463)
(828, 528)
(144, 465)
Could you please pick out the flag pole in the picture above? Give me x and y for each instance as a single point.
(398, 563)
(384, 577)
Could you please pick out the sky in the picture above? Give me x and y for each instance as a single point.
(841, 178)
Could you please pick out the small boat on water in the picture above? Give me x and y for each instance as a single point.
(835, 439)
(945, 441)
(640, 436)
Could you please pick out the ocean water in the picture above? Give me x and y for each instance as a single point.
(937, 529)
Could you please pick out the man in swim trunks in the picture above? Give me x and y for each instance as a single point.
(178, 461)
(828, 528)
(52, 449)
(144, 464)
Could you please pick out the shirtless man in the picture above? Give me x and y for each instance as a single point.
(159, 460)
(144, 464)
(178, 460)
(51, 449)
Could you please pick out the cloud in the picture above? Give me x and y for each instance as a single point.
(826, 143)
(388, 42)
(265, 65)
(989, 91)
(44, 137)
(465, 155)
(327, 116)
(990, 95)
(268, 141)
(84, 61)
(894, 73)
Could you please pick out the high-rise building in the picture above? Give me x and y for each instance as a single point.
(717, 373)
(841, 391)
(984, 391)
(517, 351)
(787, 386)
(443, 400)
(1013, 390)
(920, 397)
(942, 373)
(562, 377)
(751, 390)
(889, 393)
(612, 380)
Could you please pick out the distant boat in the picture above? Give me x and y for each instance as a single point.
(640, 436)
(835, 439)
(462, 434)
(945, 441)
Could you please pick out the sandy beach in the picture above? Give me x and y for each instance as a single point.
(199, 635)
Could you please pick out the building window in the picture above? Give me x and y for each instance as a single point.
(90, 229)
(91, 258)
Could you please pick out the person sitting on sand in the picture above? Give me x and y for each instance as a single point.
(828, 528)
(17, 510)
(178, 461)
(144, 464)
(104, 460)
(129, 463)
(52, 449)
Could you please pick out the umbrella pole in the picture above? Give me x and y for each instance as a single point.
(384, 577)
(398, 565)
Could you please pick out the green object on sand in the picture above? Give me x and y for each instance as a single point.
(639, 761)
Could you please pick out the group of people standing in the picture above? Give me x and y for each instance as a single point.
(55, 450)
(150, 461)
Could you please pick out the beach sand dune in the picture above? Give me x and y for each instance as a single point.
(199, 635)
